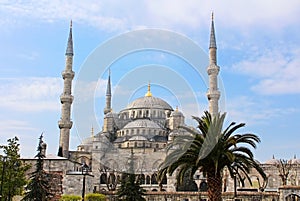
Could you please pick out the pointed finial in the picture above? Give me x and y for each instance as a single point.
(212, 16)
(149, 94)
(71, 24)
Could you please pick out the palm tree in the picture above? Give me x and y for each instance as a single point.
(210, 151)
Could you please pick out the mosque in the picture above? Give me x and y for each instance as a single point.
(141, 131)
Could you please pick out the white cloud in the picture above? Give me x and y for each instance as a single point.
(275, 71)
(254, 111)
(31, 94)
(123, 15)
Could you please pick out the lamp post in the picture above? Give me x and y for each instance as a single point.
(84, 170)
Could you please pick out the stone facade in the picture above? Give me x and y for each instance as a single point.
(141, 131)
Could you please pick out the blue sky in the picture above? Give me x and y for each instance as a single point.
(258, 53)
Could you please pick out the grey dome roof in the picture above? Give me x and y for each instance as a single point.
(149, 102)
(272, 161)
(141, 123)
(176, 113)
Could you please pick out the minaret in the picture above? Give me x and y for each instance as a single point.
(213, 69)
(66, 99)
(107, 108)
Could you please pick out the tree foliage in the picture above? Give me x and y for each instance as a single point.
(130, 189)
(95, 197)
(38, 188)
(12, 170)
(210, 151)
(70, 198)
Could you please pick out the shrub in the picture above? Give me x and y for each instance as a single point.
(95, 197)
(70, 198)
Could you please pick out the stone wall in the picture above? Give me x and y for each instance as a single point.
(202, 196)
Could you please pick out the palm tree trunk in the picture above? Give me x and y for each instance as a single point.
(214, 182)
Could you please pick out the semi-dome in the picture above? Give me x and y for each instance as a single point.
(295, 160)
(176, 113)
(272, 161)
(149, 102)
(141, 123)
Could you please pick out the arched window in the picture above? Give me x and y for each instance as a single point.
(103, 179)
(148, 179)
(164, 180)
(203, 186)
(153, 179)
(142, 178)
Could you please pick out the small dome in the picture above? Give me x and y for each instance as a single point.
(295, 160)
(138, 138)
(149, 102)
(111, 114)
(141, 123)
(272, 161)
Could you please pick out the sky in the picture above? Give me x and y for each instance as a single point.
(258, 54)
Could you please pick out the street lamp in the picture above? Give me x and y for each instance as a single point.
(84, 170)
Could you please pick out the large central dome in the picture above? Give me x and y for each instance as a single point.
(149, 102)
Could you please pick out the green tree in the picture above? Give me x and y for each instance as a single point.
(130, 189)
(38, 188)
(12, 170)
(210, 151)
(95, 197)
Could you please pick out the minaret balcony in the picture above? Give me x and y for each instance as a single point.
(213, 69)
(215, 95)
(66, 98)
(65, 124)
(68, 74)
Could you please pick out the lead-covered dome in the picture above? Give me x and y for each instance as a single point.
(149, 102)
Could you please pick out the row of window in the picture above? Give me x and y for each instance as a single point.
(144, 113)
(139, 131)
(142, 145)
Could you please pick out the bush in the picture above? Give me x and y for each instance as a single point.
(70, 198)
(95, 197)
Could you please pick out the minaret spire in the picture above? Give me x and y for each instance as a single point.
(107, 108)
(212, 42)
(66, 99)
(213, 69)
(69, 50)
